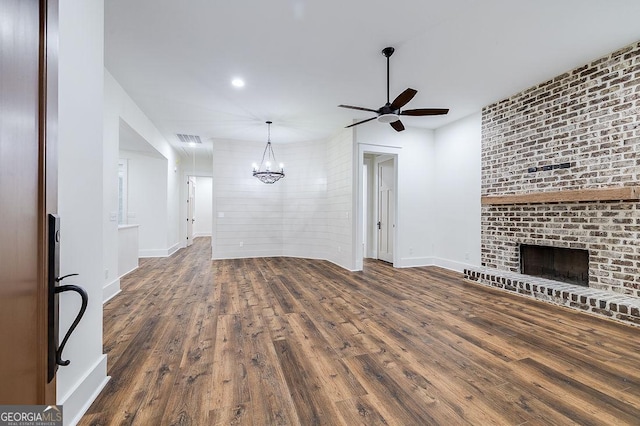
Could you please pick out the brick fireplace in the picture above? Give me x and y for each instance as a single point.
(561, 168)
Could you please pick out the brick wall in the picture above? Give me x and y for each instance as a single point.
(589, 118)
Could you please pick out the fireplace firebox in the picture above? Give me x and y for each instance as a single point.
(560, 264)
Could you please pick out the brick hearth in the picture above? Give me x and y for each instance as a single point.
(611, 305)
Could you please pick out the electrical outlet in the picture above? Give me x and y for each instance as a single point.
(466, 256)
(339, 249)
(410, 250)
(241, 243)
(106, 273)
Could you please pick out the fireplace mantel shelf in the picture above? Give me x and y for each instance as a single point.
(624, 193)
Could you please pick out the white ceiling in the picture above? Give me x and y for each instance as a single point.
(302, 58)
(132, 141)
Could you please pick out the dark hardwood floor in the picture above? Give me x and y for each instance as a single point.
(278, 341)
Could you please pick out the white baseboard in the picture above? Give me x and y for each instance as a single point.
(161, 252)
(78, 400)
(153, 253)
(335, 262)
(130, 271)
(202, 234)
(452, 265)
(110, 290)
(413, 262)
(174, 248)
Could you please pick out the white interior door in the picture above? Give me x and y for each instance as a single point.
(191, 208)
(386, 210)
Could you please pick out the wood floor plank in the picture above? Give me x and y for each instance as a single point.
(403, 407)
(595, 403)
(230, 385)
(285, 341)
(336, 380)
(271, 402)
(312, 406)
(436, 378)
(362, 411)
(239, 415)
(191, 388)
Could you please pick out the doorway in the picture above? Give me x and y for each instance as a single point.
(377, 165)
(199, 207)
(386, 212)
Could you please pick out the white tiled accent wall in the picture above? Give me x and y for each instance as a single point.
(340, 199)
(247, 214)
(306, 214)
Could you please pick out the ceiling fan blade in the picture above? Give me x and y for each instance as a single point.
(358, 108)
(403, 98)
(397, 126)
(360, 122)
(425, 111)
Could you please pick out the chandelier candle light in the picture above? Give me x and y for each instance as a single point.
(265, 174)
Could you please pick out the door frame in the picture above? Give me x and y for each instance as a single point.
(191, 186)
(358, 223)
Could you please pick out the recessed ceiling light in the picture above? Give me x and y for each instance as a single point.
(237, 82)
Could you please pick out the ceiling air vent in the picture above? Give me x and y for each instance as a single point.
(189, 138)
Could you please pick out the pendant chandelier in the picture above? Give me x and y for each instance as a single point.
(264, 172)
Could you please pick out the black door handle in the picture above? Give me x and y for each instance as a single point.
(83, 308)
(54, 352)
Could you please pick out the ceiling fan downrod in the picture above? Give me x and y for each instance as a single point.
(387, 52)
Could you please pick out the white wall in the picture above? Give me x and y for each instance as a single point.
(80, 199)
(174, 242)
(457, 185)
(147, 201)
(128, 249)
(110, 155)
(119, 107)
(204, 201)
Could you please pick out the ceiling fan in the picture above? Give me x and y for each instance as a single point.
(391, 111)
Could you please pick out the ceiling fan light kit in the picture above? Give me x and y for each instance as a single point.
(264, 172)
(391, 111)
(388, 118)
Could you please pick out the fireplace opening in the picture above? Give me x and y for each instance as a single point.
(560, 264)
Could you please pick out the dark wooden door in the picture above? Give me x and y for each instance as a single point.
(28, 192)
